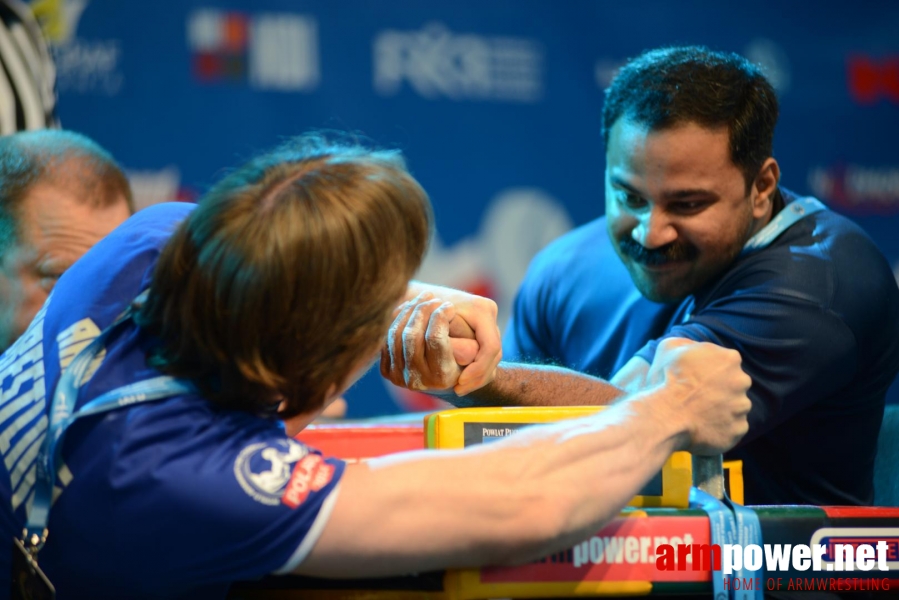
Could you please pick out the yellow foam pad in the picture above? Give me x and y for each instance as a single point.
(463, 427)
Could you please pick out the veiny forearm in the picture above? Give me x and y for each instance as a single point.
(539, 385)
(615, 454)
(540, 491)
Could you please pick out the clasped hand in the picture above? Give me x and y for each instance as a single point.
(443, 340)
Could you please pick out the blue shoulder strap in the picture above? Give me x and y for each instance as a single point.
(792, 213)
(795, 211)
(62, 415)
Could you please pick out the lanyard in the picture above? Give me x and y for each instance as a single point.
(722, 530)
(62, 415)
(794, 211)
(749, 532)
(731, 523)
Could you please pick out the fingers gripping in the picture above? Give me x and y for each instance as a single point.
(439, 351)
(415, 354)
(419, 354)
(393, 361)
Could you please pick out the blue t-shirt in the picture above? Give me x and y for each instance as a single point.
(176, 497)
(815, 316)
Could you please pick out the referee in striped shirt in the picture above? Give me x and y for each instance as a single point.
(27, 73)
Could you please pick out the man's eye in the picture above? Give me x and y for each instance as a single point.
(688, 207)
(632, 200)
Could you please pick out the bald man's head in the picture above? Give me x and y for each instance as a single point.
(60, 193)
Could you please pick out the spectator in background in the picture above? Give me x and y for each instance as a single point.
(60, 193)
(28, 76)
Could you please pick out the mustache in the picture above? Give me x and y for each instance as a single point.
(673, 252)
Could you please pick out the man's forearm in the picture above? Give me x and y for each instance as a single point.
(538, 491)
(539, 385)
(514, 500)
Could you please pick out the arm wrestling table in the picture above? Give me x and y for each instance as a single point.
(620, 559)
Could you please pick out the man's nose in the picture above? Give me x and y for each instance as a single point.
(654, 230)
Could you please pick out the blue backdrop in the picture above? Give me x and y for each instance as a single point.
(496, 104)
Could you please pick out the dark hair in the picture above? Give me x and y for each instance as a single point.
(287, 274)
(670, 86)
(55, 157)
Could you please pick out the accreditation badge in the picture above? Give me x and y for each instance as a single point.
(28, 581)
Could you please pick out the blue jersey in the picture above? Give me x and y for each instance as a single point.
(176, 497)
(815, 316)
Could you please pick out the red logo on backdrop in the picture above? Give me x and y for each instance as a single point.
(872, 80)
(219, 40)
(310, 474)
(857, 189)
(187, 194)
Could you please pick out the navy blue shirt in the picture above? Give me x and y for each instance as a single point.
(815, 316)
(176, 497)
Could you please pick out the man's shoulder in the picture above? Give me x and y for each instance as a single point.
(815, 250)
(187, 465)
(831, 242)
(162, 218)
(824, 260)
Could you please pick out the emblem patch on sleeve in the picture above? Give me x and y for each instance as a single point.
(263, 469)
(311, 474)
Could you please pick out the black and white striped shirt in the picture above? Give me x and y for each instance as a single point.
(27, 73)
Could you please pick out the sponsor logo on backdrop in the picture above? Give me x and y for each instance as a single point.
(857, 189)
(518, 223)
(437, 63)
(83, 65)
(770, 56)
(268, 51)
(873, 80)
(152, 187)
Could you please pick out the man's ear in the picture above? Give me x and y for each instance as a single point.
(763, 188)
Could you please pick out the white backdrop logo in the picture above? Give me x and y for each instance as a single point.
(284, 52)
(770, 56)
(153, 187)
(263, 469)
(437, 63)
(84, 66)
(272, 51)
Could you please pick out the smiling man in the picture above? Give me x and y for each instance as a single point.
(60, 193)
(677, 205)
(699, 241)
